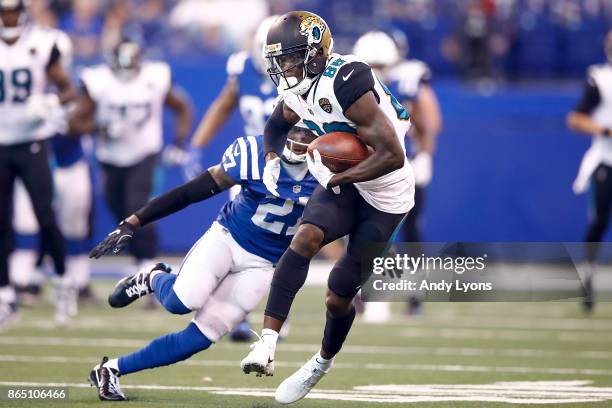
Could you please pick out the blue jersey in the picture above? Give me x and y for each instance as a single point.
(261, 223)
(256, 93)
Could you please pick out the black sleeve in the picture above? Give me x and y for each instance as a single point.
(198, 189)
(55, 56)
(275, 132)
(590, 98)
(352, 82)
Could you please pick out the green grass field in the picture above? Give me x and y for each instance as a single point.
(455, 355)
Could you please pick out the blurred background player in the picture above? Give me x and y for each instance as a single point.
(29, 62)
(408, 80)
(228, 271)
(248, 88)
(73, 203)
(122, 102)
(593, 116)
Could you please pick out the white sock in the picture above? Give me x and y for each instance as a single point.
(7, 294)
(270, 337)
(323, 363)
(114, 364)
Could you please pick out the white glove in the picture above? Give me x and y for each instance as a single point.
(174, 155)
(40, 107)
(423, 169)
(271, 174)
(320, 171)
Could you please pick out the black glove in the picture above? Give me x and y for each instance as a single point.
(116, 240)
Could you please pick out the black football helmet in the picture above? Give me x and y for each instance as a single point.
(297, 48)
(13, 18)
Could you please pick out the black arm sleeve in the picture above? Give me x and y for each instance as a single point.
(275, 132)
(55, 56)
(198, 189)
(590, 99)
(352, 82)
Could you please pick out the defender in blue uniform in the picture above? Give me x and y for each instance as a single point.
(229, 269)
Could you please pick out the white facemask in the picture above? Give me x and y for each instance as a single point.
(11, 33)
(291, 85)
(292, 157)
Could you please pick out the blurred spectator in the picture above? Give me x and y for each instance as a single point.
(84, 24)
(221, 25)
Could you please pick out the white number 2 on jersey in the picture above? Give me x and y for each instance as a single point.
(275, 226)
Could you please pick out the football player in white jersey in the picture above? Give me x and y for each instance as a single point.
(409, 81)
(593, 116)
(122, 103)
(329, 92)
(72, 199)
(29, 62)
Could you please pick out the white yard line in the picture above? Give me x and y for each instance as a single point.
(308, 348)
(370, 366)
(538, 392)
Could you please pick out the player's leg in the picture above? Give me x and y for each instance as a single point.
(327, 217)
(8, 305)
(344, 282)
(164, 350)
(74, 201)
(22, 262)
(139, 185)
(35, 173)
(601, 205)
(202, 284)
(204, 266)
(114, 190)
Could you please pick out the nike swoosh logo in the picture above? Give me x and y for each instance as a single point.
(348, 75)
(270, 361)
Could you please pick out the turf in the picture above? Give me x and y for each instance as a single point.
(450, 344)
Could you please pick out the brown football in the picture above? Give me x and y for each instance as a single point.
(339, 150)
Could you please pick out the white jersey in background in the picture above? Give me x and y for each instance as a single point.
(321, 110)
(130, 110)
(599, 76)
(407, 77)
(23, 66)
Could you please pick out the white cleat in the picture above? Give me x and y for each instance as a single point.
(259, 360)
(299, 384)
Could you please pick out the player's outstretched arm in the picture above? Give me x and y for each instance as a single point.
(374, 129)
(206, 185)
(177, 102)
(217, 114)
(58, 76)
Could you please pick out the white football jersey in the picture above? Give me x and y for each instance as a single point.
(130, 110)
(322, 110)
(407, 77)
(23, 66)
(601, 147)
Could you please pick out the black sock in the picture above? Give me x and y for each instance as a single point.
(289, 276)
(336, 330)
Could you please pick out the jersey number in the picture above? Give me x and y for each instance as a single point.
(276, 227)
(21, 82)
(328, 127)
